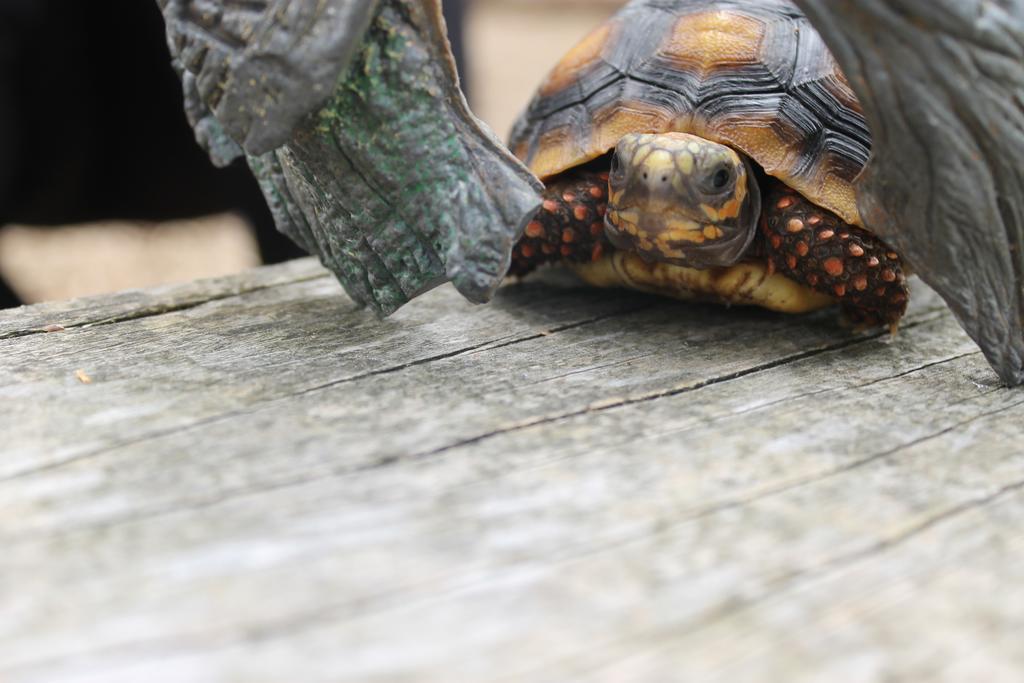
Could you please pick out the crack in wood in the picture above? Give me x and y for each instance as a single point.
(666, 393)
(491, 345)
(819, 392)
(158, 309)
(794, 581)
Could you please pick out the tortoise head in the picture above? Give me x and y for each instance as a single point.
(681, 199)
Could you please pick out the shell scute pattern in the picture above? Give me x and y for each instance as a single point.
(753, 75)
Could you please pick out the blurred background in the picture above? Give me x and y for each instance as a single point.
(101, 185)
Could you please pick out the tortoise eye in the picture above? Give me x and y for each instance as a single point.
(721, 179)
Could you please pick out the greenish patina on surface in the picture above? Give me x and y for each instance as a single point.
(391, 183)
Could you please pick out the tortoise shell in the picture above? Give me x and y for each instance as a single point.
(753, 75)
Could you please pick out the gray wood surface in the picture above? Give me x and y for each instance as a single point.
(250, 479)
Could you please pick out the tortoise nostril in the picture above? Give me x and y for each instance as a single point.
(664, 178)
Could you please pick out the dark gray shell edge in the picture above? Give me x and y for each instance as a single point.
(940, 84)
(261, 66)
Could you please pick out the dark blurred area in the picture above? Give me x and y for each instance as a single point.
(92, 126)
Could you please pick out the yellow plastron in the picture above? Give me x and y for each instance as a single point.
(745, 284)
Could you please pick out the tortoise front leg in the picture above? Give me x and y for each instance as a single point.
(569, 226)
(816, 248)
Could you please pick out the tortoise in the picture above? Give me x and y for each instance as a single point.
(708, 149)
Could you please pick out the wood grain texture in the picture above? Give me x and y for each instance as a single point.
(263, 483)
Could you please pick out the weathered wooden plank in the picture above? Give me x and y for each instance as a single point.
(561, 593)
(580, 486)
(98, 310)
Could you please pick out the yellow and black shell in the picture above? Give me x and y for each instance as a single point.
(751, 74)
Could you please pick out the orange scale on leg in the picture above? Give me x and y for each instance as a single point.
(834, 266)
